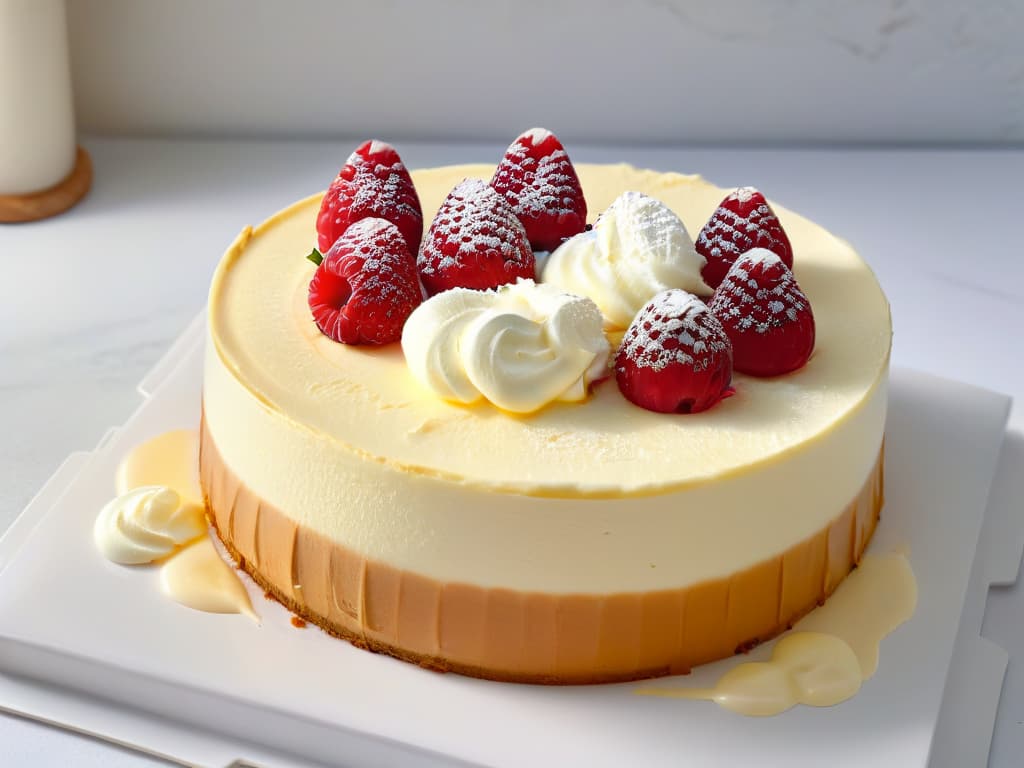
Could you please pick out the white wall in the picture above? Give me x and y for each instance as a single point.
(654, 71)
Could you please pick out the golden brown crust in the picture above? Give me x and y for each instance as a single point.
(528, 637)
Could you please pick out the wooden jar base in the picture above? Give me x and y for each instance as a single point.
(50, 202)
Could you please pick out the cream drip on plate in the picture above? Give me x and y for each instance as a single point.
(833, 651)
(170, 459)
(521, 346)
(199, 578)
(159, 515)
(146, 524)
(637, 249)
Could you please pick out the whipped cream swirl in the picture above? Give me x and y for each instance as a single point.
(146, 524)
(521, 346)
(637, 249)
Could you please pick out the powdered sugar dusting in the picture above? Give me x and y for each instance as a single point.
(379, 146)
(473, 222)
(383, 188)
(373, 183)
(675, 327)
(372, 226)
(729, 234)
(366, 286)
(538, 180)
(535, 135)
(743, 194)
(657, 216)
(373, 255)
(549, 184)
(759, 293)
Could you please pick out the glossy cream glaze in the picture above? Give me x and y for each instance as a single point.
(198, 577)
(829, 655)
(169, 459)
(158, 511)
(348, 442)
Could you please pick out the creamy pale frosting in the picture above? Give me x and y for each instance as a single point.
(146, 524)
(530, 636)
(364, 454)
(521, 346)
(638, 248)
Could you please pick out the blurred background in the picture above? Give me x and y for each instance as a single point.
(785, 72)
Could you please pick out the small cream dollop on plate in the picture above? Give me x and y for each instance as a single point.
(146, 524)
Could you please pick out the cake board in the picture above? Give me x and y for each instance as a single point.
(969, 706)
(188, 692)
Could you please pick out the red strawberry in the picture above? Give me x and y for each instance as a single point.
(537, 179)
(475, 241)
(366, 286)
(743, 221)
(373, 184)
(766, 315)
(675, 356)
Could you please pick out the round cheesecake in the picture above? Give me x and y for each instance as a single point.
(587, 542)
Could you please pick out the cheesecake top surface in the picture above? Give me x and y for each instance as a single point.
(366, 400)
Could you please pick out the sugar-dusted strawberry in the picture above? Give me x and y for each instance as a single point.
(744, 220)
(538, 180)
(475, 241)
(675, 356)
(366, 286)
(373, 184)
(765, 314)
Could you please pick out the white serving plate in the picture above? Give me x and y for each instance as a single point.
(94, 646)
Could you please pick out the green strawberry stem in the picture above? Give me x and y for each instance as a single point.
(316, 257)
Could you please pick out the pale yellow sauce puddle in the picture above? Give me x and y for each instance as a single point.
(829, 654)
(199, 578)
(196, 576)
(170, 459)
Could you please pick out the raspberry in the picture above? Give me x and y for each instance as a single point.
(765, 314)
(475, 241)
(373, 184)
(538, 180)
(744, 220)
(675, 356)
(366, 286)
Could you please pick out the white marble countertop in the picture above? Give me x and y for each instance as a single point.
(90, 300)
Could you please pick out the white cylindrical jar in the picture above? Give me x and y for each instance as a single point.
(37, 125)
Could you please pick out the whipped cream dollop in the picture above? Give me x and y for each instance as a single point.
(638, 248)
(521, 346)
(146, 524)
